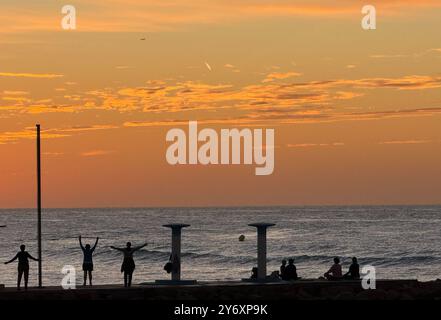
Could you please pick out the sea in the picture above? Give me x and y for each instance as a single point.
(399, 241)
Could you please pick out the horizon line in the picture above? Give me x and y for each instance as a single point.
(229, 206)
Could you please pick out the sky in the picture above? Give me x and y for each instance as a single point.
(356, 112)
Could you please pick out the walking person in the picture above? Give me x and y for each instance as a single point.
(128, 265)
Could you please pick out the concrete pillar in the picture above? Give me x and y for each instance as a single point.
(261, 248)
(176, 249)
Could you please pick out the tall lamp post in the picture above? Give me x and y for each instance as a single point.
(39, 207)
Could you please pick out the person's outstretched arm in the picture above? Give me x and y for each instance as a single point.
(139, 247)
(31, 257)
(96, 242)
(13, 259)
(81, 244)
(115, 248)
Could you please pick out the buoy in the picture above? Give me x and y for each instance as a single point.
(241, 237)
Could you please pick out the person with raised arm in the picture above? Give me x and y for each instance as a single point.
(23, 265)
(87, 260)
(128, 265)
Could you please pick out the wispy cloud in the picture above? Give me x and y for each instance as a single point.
(15, 93)
(166, 15)
(405, 142)
(49, 133)
(307, 145)
(30, 75)
(280, 75)
(14, 136)
(95, 153)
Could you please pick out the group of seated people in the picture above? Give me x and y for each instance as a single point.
(289, 272)
(335, 272)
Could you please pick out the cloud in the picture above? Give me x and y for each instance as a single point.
(15, 93)
(388, 56)
(53, 154)
(49, 133)
(29, 133)
(95, 153)
(30, 75)
(167, 15)
(405, 142)
(280, 75)
(410, 82)
(88, 128)
(307, 145)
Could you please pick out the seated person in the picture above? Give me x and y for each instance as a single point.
(291, 271)
(334, 273)
(282, 270)
(275, 276)
(254, 273)
(354, 271)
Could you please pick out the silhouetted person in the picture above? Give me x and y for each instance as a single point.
(291, 271)
(334, 273)
(254, 273)
(87, 260)
(128, 265)
(354, 271)
(23, 265)
(282, 270)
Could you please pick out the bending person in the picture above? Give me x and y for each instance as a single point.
(87, 260)
(128, 265)
(23, 265)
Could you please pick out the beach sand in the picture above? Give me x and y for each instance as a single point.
(224, 291)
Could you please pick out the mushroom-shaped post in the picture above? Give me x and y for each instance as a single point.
(261, 248)
(176, 249)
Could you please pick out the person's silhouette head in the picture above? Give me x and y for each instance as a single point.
(291, 261)
(87, 246)
(129, 245)
(354, 260)
(336, 260)
(22, 247)
(283, 262)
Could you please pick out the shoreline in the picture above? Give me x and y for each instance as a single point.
(236, 290)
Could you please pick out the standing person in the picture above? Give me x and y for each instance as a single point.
(334, 273)
(291, 271)
(354, 271)
(128, 265)
(87, 260)
(283, 270)
(23, 265)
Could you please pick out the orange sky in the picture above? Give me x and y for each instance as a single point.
(356, 113)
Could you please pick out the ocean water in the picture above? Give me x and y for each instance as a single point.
(400, 241)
